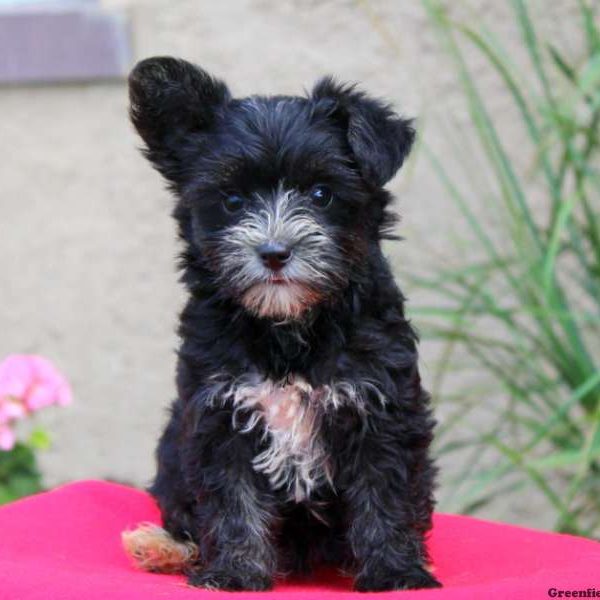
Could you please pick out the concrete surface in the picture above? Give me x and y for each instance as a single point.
(86, 244)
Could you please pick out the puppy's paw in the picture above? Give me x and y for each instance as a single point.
(219, 579)
(383, 580)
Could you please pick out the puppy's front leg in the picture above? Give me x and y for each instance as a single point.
(387, 515)
(235, 511)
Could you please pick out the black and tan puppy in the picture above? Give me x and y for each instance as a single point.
(300, 432)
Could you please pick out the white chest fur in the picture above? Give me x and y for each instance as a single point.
(295, 459)
(292, 411)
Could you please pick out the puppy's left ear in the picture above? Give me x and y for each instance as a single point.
(171, 100)
(380, 140)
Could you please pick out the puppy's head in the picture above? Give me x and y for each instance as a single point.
(280, 198)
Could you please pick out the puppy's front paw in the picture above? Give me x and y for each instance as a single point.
(219, 579)
(381, 580)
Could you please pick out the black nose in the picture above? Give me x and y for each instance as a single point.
(274, 255)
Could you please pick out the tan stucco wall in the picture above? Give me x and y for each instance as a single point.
(86, 244)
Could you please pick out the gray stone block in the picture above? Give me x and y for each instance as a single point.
(66, 41)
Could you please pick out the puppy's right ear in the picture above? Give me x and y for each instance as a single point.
(171, 99)
(379, 139)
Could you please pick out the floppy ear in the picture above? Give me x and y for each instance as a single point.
(380, 140)
(170, 99)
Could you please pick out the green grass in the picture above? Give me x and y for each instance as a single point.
(525, 312)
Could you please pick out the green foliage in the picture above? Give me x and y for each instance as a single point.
(525, 308)
(19, 475)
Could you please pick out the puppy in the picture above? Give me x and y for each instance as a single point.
(300, 432)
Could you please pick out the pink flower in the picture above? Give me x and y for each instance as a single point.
(7, 438)
(15, 376)
(32, 381)
(27, 383)
(11, 410)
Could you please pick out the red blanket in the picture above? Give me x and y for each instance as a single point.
(65, 545)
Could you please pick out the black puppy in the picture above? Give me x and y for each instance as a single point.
(300, 432)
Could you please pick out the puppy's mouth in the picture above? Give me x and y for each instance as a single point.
(277, 279)
(279, 297)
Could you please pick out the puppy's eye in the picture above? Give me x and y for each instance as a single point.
(321, 195)
(233, 202)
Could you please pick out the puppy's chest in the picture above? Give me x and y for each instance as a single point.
(294, 458)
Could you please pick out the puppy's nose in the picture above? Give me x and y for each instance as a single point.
(274, 255)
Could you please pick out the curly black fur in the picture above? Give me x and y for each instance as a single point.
(372, 510)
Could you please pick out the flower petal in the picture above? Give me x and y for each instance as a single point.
(34, 380)
(39, 396)
(7, 438)
(16, 375)
(10, 410)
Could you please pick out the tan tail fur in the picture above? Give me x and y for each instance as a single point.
(154, 549)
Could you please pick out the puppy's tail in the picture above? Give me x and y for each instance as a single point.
(154, 549)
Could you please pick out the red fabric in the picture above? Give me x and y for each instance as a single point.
(65, 545)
